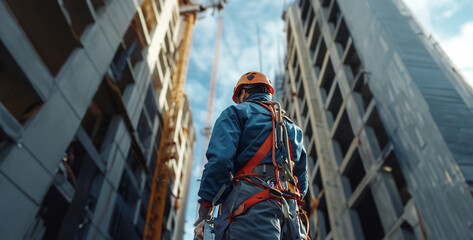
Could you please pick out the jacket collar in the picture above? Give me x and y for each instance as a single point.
(259, 97)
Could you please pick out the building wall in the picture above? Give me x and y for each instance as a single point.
(84, 88)
(386, 122)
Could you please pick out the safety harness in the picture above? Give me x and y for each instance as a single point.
(278, 192)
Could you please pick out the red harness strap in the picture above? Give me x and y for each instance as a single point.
(257, 158)
(247, 171)
(259, 197)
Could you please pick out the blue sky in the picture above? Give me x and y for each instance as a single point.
(449, 21)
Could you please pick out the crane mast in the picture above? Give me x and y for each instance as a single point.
(212, 91)
(167, 146)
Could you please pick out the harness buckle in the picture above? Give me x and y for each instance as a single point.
(275, 193)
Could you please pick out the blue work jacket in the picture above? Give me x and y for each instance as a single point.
(237, 135)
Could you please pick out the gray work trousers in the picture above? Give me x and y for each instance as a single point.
(263, 220)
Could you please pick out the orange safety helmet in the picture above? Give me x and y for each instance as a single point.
(250, 78)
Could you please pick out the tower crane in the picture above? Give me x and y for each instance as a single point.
(212, 91)
(167, 146)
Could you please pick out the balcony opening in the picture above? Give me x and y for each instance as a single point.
(158, 6)
(97, 118)
(134, 165)
(369, 216)
(120, 68)
(308, 134)
(408, 231)
(305, 10)
(167, 208)
(325, 3)
(315, 39)
(334, 14)
(313, 155)
(354, 171)
(17, 94)
(324, 224)
(321, 55)
(318, 185)
(391, 165)
(335, 102)
(82, 172)
(128, 191)
(149, 16)
(77, 14)
(353, 61)
(52, 212)
(375, 122)
(5, 140)
(144, 131)
(122, 226)
(329, 76)
(342, 35)
(135, 33)
(344, 134)
(363, 89)
(48, 30)
(297, 78)
(150, 104)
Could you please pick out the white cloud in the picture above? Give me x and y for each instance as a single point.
(458, 46)
(196, 92)
(460, 49)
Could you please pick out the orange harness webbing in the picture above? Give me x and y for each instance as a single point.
(247, 171)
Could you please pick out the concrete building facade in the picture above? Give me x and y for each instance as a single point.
(84, 88)
(387, 122)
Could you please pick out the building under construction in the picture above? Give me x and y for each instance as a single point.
(85, 90)
(387, 122)
(96, 136)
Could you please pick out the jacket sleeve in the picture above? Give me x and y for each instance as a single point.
(300, 165)
(220, 154)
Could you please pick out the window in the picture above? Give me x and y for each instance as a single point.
(375, 122)
(134, 165)
(305, 10)
(328, 77)
(17, 94)
(52, 212)
(362, 88)
(313, 155)
(320, 55)
(344, 134)
(144, 130)
(335, 102)
(369, 216)
(98, 116)
(150, 104)
(120, 67)
(342, 35)
(308, 134)
(315, 40)
(148, 13)
(77, 14)
(391, 165)
(353, 61)
(334, 14)
(354, 172)
(325, 3)
(48, 29)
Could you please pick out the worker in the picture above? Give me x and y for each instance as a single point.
(256, 168)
